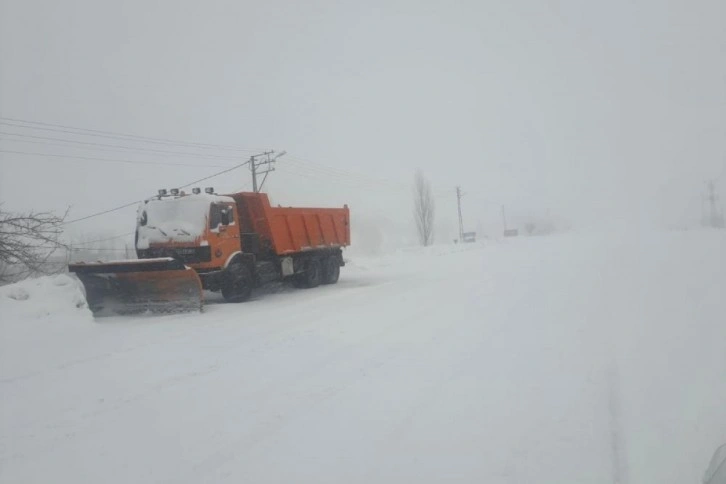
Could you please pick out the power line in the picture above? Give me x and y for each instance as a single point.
(130, 233)
(319, 167)
(111, 134)
(131, 148)
(94, 149)
(102, 213)
(212, 176)
(139, 201)
(108, 160)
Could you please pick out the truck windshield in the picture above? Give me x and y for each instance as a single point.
(182, 218)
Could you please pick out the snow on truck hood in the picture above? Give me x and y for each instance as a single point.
(182, 219)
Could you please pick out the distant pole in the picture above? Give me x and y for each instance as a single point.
(504, 218)
(711, 197)
(253, 169)
(715, 217)
(461, 220)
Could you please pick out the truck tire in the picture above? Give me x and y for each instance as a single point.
(331, 270)
(313, 275)
(238, 284)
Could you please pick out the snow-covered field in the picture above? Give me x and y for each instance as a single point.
(565, 359)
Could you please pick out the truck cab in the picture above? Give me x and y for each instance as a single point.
(201, 230)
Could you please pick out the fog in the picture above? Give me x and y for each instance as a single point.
(581, 112)
(591, 356)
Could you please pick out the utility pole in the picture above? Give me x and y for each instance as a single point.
(715, 218)
(504, 218)
(267, 159)
(461, 220)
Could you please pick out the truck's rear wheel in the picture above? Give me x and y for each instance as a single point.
(331, 270)
(312, 276)
(238, 284)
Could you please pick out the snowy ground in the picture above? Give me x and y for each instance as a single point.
(563, 359)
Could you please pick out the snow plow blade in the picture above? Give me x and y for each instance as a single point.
(163, 285)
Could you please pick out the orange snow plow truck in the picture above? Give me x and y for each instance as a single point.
(230, 243)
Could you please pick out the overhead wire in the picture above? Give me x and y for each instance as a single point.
(114, 135)
(297, 166)
(216, 174)
(109, 160)
(361, 180)
(323, 169)
(76, 131)
(139, 201)
(130, 148)
(124, 151)
(104, 212)
(92, 149)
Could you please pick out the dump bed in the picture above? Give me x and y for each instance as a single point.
(287, 230)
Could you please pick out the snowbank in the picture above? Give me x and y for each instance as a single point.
(43, 297)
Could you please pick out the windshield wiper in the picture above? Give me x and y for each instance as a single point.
(157, 228)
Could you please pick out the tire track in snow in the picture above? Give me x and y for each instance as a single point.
(352, 367)
(619, 469)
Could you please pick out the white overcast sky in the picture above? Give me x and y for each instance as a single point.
(590, 110)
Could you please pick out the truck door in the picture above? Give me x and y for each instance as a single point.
(224, 232)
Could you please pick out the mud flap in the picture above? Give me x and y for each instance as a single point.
(163, 285)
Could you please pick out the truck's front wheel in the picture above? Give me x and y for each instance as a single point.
(238, 284)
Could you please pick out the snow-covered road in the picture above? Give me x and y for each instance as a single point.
(566, 359)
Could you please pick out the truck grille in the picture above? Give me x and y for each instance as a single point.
(189, 255)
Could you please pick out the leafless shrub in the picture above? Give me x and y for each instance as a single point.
(27, 242)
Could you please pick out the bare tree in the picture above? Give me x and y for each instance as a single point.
(27, 242)
(423, 209)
